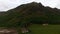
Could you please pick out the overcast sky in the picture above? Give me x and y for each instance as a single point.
(9, 4)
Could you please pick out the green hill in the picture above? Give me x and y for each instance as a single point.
(30, 13)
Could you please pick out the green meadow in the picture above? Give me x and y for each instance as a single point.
(40, 29)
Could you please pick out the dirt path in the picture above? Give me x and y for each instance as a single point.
(8, 31)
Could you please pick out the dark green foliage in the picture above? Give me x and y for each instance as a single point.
(30, 13)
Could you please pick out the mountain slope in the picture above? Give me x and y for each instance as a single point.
(32, 12)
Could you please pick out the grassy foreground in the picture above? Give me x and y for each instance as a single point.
(50, 29)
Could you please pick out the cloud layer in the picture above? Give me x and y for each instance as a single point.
(9, 4)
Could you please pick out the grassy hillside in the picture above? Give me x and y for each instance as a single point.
(30, 13)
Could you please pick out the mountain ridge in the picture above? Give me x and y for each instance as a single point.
(31, 12)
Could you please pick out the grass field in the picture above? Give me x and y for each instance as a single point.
(50, 29)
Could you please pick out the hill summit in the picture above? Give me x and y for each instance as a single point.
(31, 13)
